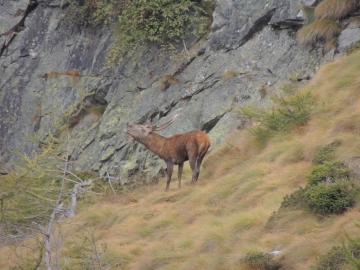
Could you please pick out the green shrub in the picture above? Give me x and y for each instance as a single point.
(332, 260)
(353, 47)
(141, 21)
(158, 21)
(295, 200)
(91, 12)
(333, 198)
(261, 260)
(289, 111)
(328, 172)
(326, 153)
(352, 251)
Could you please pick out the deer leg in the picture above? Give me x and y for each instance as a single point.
(198, 165)
(181, 166)
(195, 170)
(169, 169)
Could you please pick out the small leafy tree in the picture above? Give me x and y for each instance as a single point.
(289, 111)
(40, 192)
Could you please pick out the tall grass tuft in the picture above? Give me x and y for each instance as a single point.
(322, 30)
(335, 9)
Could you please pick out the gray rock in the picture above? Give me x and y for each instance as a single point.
(52, 67)
(349, 35)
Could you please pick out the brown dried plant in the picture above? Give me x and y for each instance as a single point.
(324, 29)
(335, 9)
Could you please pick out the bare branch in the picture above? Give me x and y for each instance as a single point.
(108, 177)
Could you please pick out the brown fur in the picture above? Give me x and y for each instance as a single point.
(174, 150)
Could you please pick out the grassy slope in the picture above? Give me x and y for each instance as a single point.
(212, 225)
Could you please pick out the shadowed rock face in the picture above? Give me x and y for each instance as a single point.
(51, 65)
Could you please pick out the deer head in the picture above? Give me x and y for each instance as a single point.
(140, 132)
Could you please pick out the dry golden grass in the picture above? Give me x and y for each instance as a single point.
(324, 29)
(73, 73)
(335, 9)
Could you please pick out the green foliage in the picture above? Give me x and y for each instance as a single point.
(29, 194)
(353, 47)
(333, 198)
(295, 200)
(332, 260)
(289, 111)
(139, 22)
(326, 153)
(86, 250)
(261, 260)
(92, 12)
(329, 190)
(352, 251)
(157, 21)
(328, 172)
(309, 14)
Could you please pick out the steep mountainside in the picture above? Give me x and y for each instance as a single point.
(50, 66)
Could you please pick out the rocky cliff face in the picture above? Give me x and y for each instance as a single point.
(49, 67)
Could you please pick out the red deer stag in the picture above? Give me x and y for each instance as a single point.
(175, 150)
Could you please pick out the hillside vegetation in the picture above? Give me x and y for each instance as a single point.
(236, 216)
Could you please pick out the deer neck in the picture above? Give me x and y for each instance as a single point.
(155, 143)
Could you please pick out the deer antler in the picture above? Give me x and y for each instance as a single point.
(149, 121)
(163, 126)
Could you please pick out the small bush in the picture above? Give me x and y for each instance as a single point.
(334, 198)
(326, 153)
(323, 30)
(335, 9)
(261, 260)
(353, 47)
(289, 111)
(332, 260)
(328, 172)
(295, 200)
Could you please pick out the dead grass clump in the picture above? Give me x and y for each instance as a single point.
(228, 74)
(323, 30)
(95, 113)
(335, 9)
(73, 73)
(166, 81)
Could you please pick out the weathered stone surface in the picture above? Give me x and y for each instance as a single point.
(51, 67)
(349, 35)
